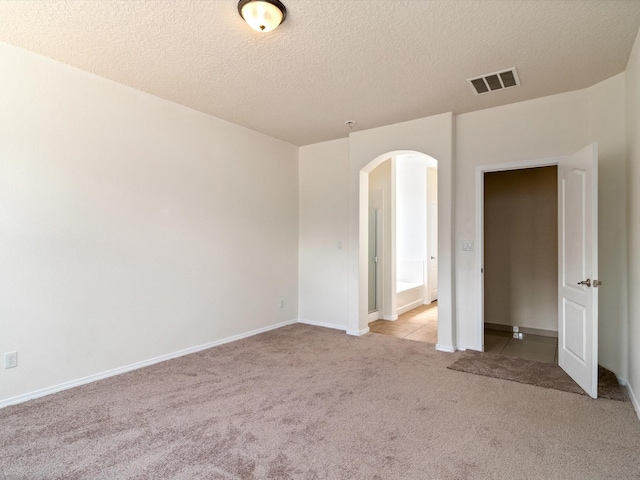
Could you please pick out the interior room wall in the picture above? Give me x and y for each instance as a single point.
(633, 219)
(324, 233)
(521, 248)
(132, 227)
(381, 178)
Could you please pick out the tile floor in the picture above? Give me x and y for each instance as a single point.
(419, 324)
(531, 347)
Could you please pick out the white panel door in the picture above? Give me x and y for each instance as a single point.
(578, 267)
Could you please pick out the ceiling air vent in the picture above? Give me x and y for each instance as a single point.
(494, 81)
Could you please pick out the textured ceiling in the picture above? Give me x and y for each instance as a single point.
(374, 61)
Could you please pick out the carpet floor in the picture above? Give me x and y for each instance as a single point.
(542, 374)
(305, 402)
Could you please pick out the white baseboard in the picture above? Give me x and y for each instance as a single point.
(410, 306)
(632, 396)
(390, 317)
(358, 333)
(322, 324)
(445, 348)
(135, 366)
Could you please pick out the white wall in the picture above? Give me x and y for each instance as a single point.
(633, 224)
(323, 177)
(131, 227)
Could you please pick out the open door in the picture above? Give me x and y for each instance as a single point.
(578, 267)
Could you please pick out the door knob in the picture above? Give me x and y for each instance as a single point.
(586, 282)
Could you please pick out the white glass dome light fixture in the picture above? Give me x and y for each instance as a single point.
(262, 15)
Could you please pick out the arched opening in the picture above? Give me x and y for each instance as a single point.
(399, 199)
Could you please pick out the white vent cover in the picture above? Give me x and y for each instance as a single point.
(494, 81)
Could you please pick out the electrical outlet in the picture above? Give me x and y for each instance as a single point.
(282, 303)
(10, 359)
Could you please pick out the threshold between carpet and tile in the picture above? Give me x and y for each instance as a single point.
(420, 324)
(307, 402)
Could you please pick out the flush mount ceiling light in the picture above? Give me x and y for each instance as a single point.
(262, 15)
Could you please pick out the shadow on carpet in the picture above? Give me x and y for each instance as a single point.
(541, 374)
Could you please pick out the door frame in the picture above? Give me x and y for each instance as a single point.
(377, 313)
(479, 274)
(429, 280)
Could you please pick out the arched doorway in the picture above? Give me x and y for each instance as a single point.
(403, 247)
(433, 136)
(398, 192)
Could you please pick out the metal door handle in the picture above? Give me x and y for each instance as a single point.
(597, 283)
(586, 282)
(433, 258)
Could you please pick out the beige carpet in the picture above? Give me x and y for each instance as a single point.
(541, 374)
(311, 403)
